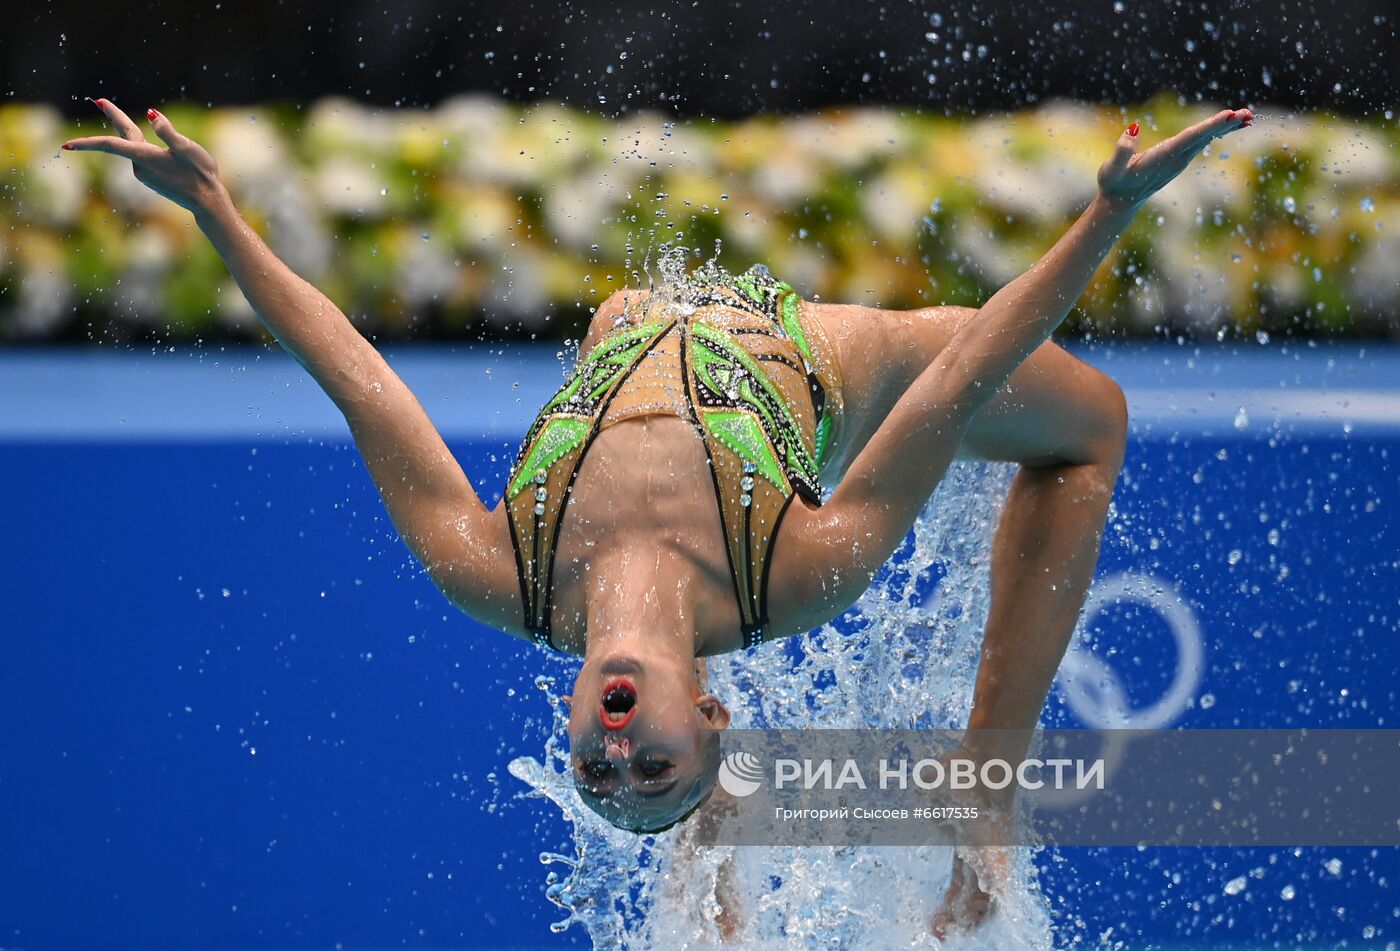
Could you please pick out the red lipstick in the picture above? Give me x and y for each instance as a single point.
(619, 704)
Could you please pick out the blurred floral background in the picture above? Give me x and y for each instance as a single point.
(481, 219)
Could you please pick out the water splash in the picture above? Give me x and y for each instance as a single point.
(904, 656)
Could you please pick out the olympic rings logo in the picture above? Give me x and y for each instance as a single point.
(1093, 690)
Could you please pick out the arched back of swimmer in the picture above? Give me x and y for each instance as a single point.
(628, 538)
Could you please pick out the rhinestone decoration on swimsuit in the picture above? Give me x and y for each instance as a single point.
(745, 364)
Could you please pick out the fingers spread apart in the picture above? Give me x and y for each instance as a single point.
(113, 145)
(125, 127)
(166, 130)
(1125, 149)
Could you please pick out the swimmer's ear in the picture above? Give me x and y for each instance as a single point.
(716, 714)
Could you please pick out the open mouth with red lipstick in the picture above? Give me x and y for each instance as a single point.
(619, 703)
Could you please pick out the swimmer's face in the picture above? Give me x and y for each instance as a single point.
(644, 743)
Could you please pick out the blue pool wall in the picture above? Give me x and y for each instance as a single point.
(235, 714)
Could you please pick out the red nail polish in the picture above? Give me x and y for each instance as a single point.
(1133, 129)
(100, 103)
(151, 114)
(65, 145)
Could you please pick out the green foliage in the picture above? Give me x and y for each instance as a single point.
(480, 219)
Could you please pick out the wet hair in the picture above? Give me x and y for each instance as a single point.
(642, 829)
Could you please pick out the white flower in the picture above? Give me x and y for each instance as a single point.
(787, 176)
(425, 272)
(297, 229)
(1044, 190)
(45, 292)
(748, 223)
(149, 256)
(336, 125)
(234, 309)
(121, 189)
(574, 209)
(473, 118)
(57, 189)
(1358, 154)
(891, 206)
(997, 262)
(246, 145)
(519, 289)
(348, 186)
(848, 139)
(1198, 285)
(1373, 277)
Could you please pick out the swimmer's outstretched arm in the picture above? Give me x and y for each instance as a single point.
(465, 547)
(842, 544)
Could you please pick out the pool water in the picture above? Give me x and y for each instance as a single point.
(238, 715)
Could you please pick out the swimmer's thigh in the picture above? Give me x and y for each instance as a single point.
(880, 352)
(1054, 409)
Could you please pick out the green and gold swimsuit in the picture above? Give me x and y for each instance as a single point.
(735, 356)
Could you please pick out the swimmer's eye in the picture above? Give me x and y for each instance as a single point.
(653, 768)
(597, 769)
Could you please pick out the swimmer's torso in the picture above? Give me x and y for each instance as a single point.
(683, 437)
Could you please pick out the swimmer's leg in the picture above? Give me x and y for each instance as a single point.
(722, 913)
(1065, 424)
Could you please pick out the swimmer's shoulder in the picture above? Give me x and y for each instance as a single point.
(474, 567)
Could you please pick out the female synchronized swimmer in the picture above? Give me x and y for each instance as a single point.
(667, 502)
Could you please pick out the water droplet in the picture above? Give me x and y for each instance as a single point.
(1236, 885)
(1235, 556)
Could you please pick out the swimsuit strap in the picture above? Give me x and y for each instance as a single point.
(758, 450)
(779, 302)
(542, 477)
(759, 453)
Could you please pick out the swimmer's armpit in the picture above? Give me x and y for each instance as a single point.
(831, 553)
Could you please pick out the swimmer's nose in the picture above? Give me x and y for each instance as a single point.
(616, 747)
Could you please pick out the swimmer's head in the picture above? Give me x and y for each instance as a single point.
(644, 741)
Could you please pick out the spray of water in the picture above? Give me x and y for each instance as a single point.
(903, 657)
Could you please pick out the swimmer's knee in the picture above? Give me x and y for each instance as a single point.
(1110, 423)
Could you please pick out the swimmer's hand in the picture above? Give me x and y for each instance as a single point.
(1129, 179)
(972, 892)
(184, 172)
